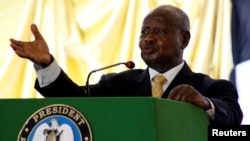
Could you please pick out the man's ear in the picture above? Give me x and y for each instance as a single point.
(186, 38)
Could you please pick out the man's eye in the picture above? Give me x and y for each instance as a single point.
(144, 32)
(160, 31)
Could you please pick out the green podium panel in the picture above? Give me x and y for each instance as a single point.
(115, 119)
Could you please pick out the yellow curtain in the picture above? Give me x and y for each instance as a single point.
(88, 34)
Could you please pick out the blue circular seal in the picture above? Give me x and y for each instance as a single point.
(57, 122)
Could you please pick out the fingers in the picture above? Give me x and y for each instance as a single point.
(21, 54)
(16, 45)
(179, 92)
(185, 93)
(36, 32)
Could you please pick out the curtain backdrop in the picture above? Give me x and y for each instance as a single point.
(88, 34)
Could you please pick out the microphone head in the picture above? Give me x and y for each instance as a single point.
(130, 64)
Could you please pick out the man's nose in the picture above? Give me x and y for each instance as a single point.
(149, 38)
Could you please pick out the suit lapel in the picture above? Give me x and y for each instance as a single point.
(185, 76)
(142, 83)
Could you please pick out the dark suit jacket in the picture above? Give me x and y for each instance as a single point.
(136, 83)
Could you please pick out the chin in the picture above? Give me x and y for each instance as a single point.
(150, 63)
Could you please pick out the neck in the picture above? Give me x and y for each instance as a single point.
(162, 68)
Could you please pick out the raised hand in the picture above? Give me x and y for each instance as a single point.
(37, 51)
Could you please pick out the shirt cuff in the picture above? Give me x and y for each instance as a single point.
(210, 111)
(46, 76)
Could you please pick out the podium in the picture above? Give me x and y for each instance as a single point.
(115, 118)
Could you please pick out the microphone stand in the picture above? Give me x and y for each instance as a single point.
(87, 90)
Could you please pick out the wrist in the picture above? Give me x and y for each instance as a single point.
(207, 104)
(50, 60)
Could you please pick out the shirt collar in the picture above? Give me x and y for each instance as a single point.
(170, 74)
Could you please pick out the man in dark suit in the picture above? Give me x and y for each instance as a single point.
(164, 36)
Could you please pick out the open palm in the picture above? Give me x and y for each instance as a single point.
(37, 51)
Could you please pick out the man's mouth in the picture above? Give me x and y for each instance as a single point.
(147, 50)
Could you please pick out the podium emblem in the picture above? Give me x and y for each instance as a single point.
(57, 122)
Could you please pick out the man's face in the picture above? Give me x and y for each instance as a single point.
(160, 41)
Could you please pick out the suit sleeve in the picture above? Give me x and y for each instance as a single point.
(63, 86)
(225, 98)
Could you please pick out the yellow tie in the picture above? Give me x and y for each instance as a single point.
(157, 89)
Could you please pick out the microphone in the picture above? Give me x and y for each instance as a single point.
(128, 64)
